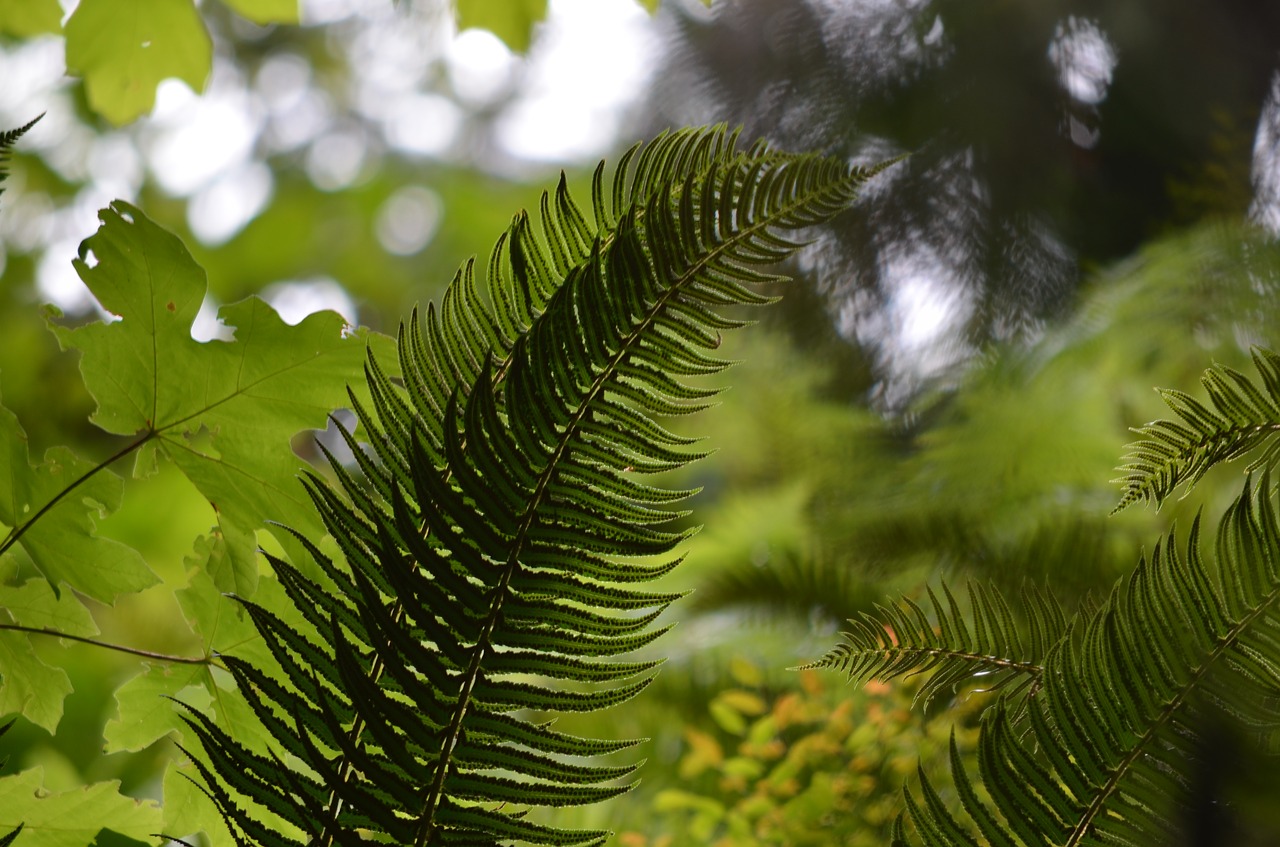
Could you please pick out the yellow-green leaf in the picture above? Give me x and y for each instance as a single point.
(28, 686)
(267, 11)
(34, 603)
(72, 818)
(25, 18)
(144, 713)
(222, 411)
(57, 531)
(124, 48)
(511, 20)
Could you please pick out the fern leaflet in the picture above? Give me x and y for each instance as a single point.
(986, 644)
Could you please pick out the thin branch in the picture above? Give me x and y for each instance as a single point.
(18, 531)
(135, 651)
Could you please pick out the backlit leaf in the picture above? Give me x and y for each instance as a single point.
(62, 543)
(28, 686)
(125, 48)
(25, 18)
(72, 818)
(144, 715)
(511, 20)
(267, 11)
(222, 411)
(34, 604)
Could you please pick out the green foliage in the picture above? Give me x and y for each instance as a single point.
(62, 819)
(223, 413)
(1112, 743)
(1245, 418)
(217, 410)
(26, 18)
(809, 766)
(511, 20)
(988, 642)
(124, 50)
(7, 140)
(501, 524)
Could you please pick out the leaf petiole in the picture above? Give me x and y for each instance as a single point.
(135, 651)
(18, 531)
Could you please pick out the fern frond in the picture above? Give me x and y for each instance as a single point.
(1106, 750)
(8, 138)
(1245, 416)
(495, 534)
(983, 644)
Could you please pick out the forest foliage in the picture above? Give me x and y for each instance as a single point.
(818, 510)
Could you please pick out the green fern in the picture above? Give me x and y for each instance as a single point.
(496, 530)
(1244, 418)
(9, 138)
(1102, 745)
(1114, 732)
(985, 645)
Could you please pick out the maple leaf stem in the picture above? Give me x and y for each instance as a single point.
(136, 651)
(18, 531)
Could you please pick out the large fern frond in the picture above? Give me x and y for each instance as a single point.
(497, 528)
(1244, 417)
(984, 643)
(1107, 750)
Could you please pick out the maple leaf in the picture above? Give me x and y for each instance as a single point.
(222, 411)
(124, 48)
(72, 818)
(57, 532)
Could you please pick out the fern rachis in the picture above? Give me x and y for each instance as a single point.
(499, 529)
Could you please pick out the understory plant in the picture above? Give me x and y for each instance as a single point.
(1137, 719)
(471, 564)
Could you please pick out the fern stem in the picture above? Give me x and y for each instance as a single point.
(1029, 668)
(120, 648)
(18, 531)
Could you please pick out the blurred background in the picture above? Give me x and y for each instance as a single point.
(1088, 210)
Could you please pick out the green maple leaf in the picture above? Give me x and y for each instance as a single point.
(222, 411)
(30, 687)
(58, 532)
(143, 712)
(125, 48)
(266, 11)
(71, 818)
(27, 685)
(27, 18)
(511, 20)
(34, 603)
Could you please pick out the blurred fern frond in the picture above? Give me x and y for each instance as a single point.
(497, 528)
